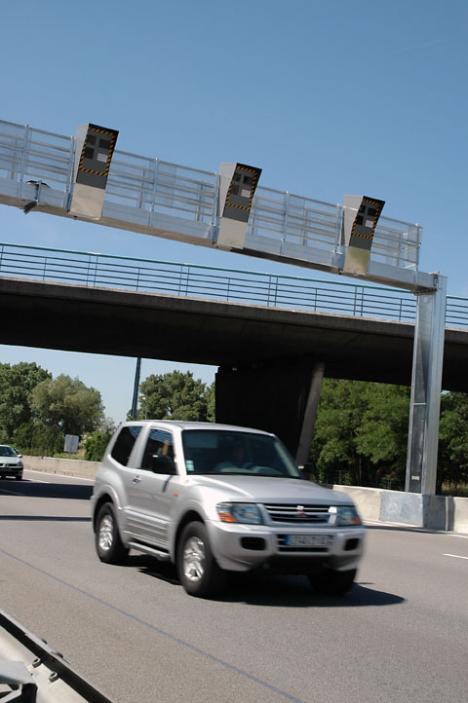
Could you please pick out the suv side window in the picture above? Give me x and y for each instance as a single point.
(159, 443)
(124, 443)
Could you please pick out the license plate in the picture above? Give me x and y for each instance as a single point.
(307, 540)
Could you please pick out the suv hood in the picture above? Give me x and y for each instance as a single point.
(264, 489)
(10, 460)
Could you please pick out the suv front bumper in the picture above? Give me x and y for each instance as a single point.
(245, 547)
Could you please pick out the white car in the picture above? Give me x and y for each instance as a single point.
(10, 463)
(216, 498)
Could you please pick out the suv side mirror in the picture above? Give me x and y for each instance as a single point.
(307, 471)
(163, 464)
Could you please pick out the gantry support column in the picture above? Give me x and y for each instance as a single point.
(426, 387)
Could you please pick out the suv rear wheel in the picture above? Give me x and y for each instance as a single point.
(333, 583)
(198, 571)
(109, 546)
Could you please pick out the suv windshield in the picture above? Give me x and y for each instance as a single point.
(7, 451)
(244, 453)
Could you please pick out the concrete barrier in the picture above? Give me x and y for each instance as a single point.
(396, 506)
(68, 467)
(367, 500)
(460, 515)
(444, 513)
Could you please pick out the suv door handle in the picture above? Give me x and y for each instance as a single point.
(137, 479)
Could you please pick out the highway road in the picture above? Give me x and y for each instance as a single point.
(401, 636)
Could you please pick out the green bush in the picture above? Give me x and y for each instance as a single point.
(38, 439)
(95, 444)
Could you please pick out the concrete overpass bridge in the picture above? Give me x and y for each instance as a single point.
(255, 327)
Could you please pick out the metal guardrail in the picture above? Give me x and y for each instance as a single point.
(96, 270)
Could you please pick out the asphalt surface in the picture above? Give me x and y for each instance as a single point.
(400, 636)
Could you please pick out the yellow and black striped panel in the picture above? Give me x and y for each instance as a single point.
(103, 131)
(232, 198)
(92, 170)
(374, 202)
(355, 232)
(110, 135)
(238, 206)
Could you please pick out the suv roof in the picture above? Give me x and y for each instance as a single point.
(189, 425)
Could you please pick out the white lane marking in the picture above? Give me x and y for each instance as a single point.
(455, 556)
(47, 473)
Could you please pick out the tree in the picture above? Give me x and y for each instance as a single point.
(68, 405)
(361, 433)
(16, 385)
(453, 440)
(174, 395)
(383, 435)
(341, 409)
(211, 402)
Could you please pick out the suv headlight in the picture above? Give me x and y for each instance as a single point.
(347, 515)
(247, 513)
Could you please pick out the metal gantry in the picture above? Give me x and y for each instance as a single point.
(159, 198)
(145, 194)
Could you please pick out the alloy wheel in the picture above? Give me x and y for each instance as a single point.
(106, 533)
(194, 559)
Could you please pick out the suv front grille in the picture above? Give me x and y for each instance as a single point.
(298, 514)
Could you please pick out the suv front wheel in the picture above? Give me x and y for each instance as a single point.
(198, 570)
(109, 546)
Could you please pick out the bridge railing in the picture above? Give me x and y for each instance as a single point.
(235, 286)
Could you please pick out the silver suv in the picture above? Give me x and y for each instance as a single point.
(214, 498)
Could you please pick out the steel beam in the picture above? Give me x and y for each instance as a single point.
(426, 387)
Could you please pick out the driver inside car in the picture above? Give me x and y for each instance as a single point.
(237, 458)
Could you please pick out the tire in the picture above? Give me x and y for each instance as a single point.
(198, 571)
(19, 477)
(109, 546)
(333, 583)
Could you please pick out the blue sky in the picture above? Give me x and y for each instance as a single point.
(330, 97)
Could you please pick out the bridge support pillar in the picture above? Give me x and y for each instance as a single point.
(279, 397)
(310, 415)
(426, 387)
